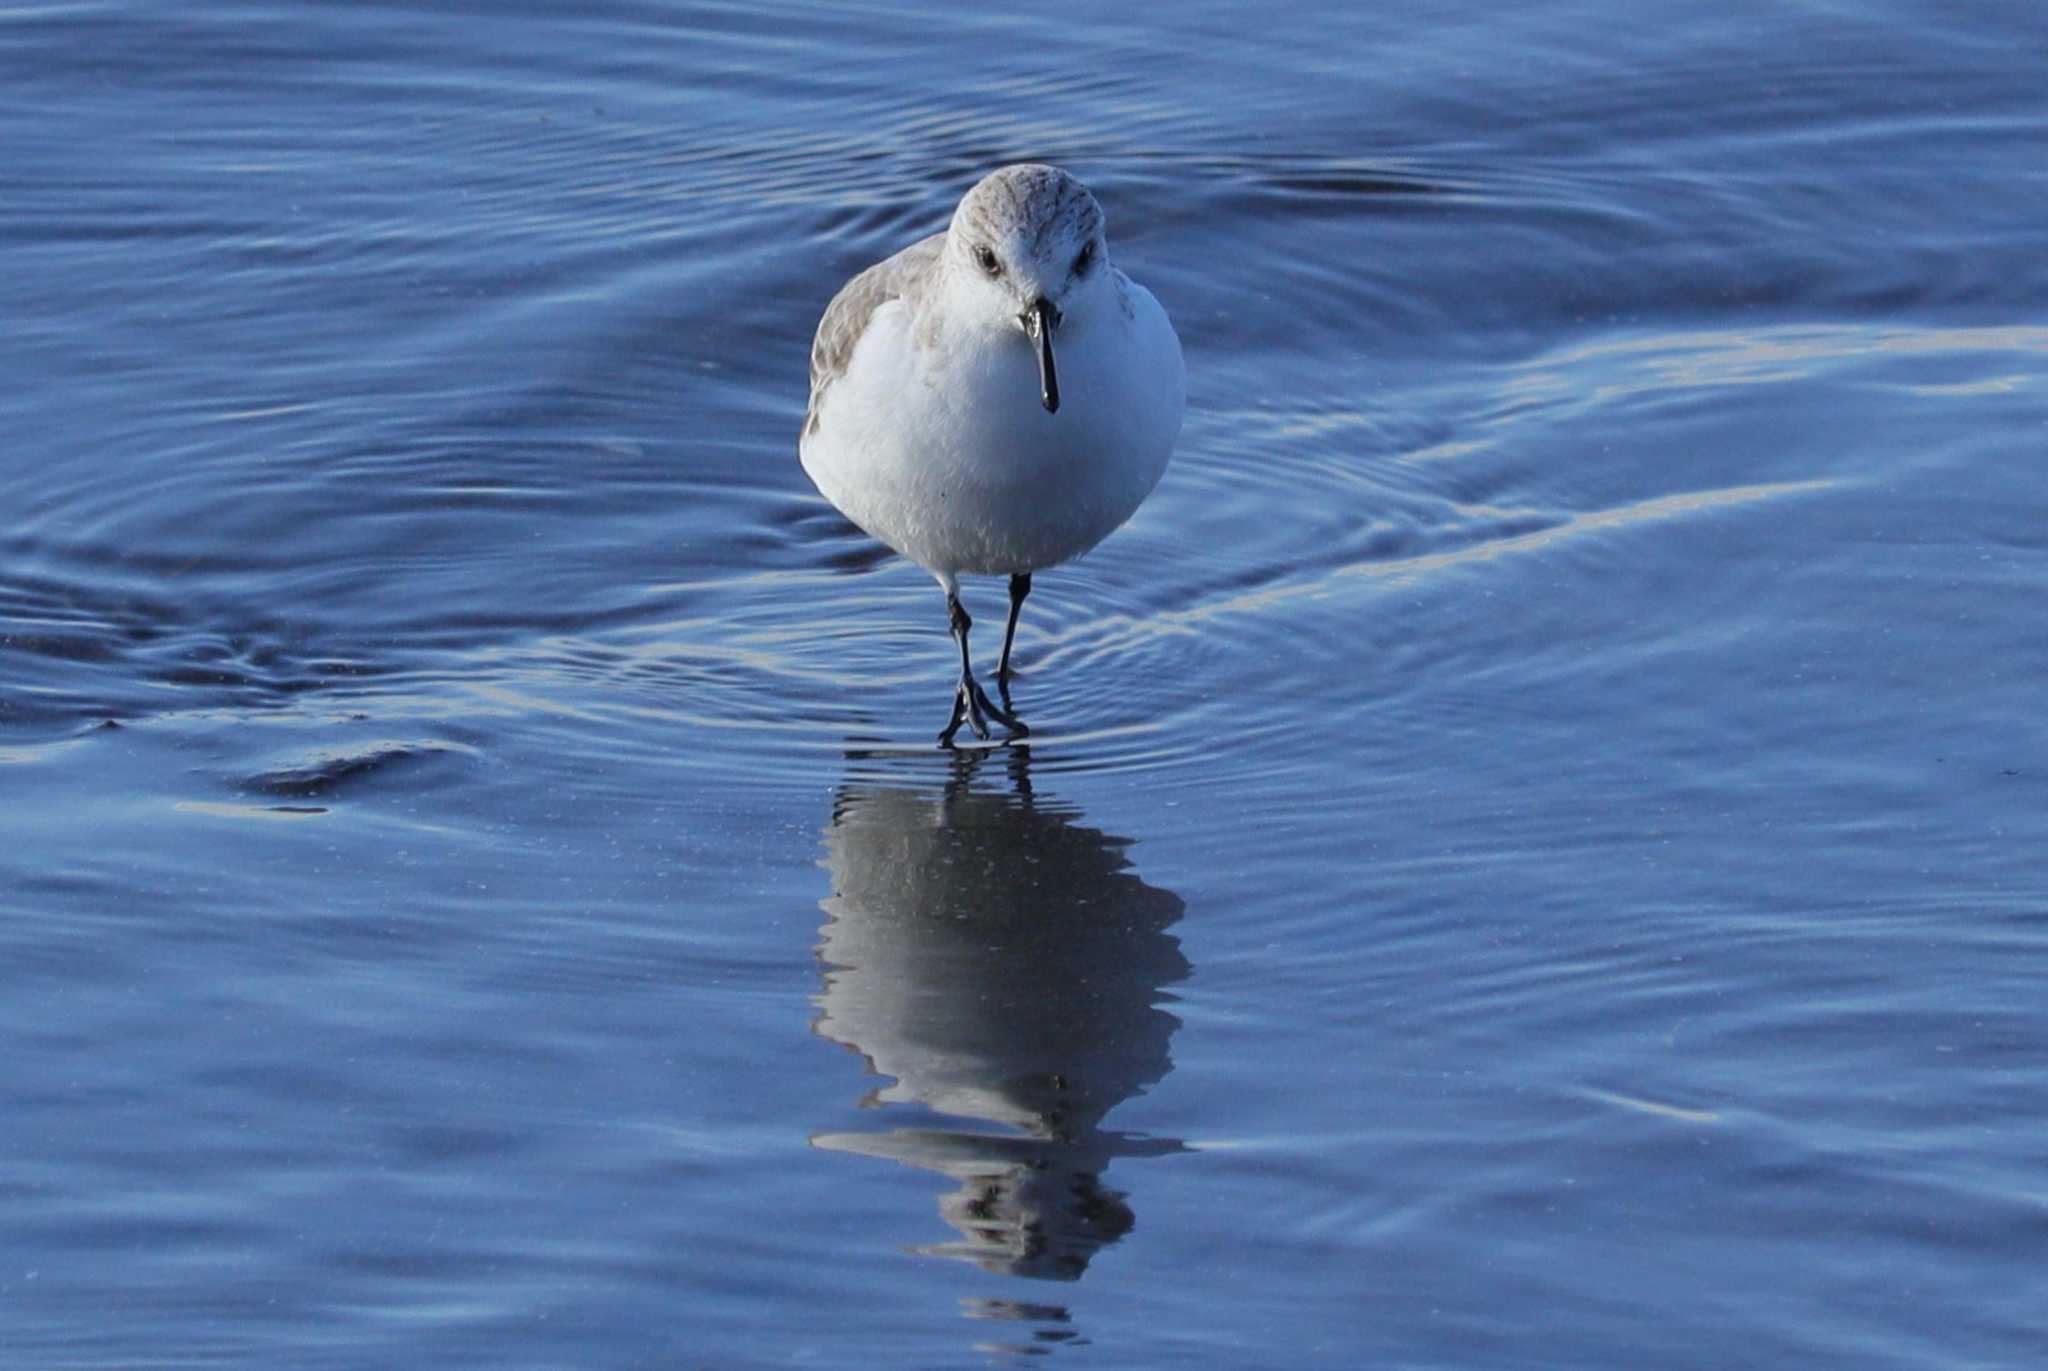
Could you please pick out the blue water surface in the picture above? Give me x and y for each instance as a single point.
(1530, 849)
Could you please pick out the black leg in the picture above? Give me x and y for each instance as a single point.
(971, 705)
(1020, 586)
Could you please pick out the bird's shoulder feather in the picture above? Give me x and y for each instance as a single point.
(906, 276)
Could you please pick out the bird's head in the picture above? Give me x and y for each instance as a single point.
(1027, 244)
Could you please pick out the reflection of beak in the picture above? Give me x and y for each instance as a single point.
(1040, 322)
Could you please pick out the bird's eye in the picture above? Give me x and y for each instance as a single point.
(1085, 258)
(985, 258)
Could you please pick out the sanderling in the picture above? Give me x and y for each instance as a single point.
(939, 424)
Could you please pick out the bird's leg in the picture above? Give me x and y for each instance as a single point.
(971, 705)
(1020, 586)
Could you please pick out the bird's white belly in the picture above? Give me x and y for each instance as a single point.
(942, 449)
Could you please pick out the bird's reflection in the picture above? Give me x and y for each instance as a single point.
(1004, 965)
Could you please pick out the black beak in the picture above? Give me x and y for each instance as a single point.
(1040, 322)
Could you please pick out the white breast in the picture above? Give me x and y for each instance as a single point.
(940, 447)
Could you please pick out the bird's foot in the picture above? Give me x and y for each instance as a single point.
(973, 707)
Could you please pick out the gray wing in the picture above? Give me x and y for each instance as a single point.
(904, 276)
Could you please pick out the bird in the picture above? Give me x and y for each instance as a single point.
(994, 400)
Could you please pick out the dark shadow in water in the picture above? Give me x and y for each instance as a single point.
(1006, 967)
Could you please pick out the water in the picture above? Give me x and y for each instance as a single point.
(1530, 848)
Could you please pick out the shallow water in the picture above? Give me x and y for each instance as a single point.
(1529, 849)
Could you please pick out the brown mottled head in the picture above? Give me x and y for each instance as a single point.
(1029, 207)
(1031, 237)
